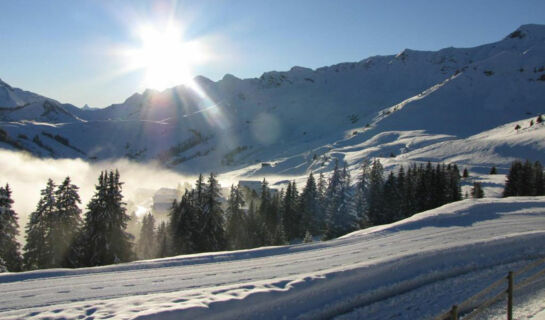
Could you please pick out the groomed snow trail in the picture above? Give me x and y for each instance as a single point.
(312, 281)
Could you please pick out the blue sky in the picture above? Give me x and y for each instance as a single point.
(63, 48)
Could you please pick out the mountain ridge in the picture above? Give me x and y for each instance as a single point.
(235, 123)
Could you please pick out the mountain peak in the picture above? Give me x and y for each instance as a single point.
(202, 80)
(533, 31)
(229, 77)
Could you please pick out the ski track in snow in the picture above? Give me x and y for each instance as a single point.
(411, 269)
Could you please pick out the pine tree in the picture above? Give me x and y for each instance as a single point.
(493, 170)
(266, 214)
(183, 224)
(276, 234)
(514, 180)
(477, 191)
(439, 186)
(341, 216)
(375, 198)
(278, 237)
(211, 222)
(465, 174)
(163, 241)
(539, 179)
(200, 186)
(255, 227)
(105, 239)
(524, 180)
(146, 247)
(65, 224)
(38, 251)
(454, 182)
(9, 247)
(391, 200)
(362, 193)
(528, 188)
(321, 187)
(309, 206)
(236, 231)
(291, 217)
(409, 199)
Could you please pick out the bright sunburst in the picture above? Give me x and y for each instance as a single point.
(165, 57)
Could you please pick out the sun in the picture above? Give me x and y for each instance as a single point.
(165, 57)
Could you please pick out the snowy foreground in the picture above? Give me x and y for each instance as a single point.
(413, 269)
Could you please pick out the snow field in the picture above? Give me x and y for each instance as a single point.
(309, 281)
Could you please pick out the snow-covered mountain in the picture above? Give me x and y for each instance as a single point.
(293, 121)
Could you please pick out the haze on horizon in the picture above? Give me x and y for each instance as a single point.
(101, 52)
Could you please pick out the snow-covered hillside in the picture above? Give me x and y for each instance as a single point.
(421, 265)
(297, 120)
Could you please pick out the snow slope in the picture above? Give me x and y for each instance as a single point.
(288, 117)
(419, 265)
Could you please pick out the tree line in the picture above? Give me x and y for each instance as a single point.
(525, 179)
(324, 208)
(201, 221)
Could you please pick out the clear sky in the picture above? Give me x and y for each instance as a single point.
(69, 50)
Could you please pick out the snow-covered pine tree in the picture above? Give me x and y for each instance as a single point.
(38, 250)
(65, 224)
(236, 231)
(146, 247)
(104, 237)
(9, 229)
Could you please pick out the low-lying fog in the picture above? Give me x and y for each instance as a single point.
(27, 175)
